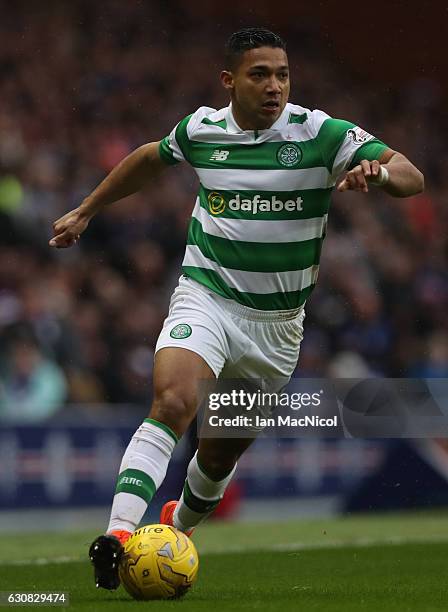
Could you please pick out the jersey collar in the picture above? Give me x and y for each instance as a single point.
(234, 128)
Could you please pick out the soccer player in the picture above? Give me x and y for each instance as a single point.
(266, 169)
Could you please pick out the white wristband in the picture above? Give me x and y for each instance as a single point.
(382, 178)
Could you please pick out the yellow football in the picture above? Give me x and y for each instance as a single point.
(158, 562)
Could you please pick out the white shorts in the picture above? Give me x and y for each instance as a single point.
(234, 340)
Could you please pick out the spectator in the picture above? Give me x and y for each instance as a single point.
(32, 388)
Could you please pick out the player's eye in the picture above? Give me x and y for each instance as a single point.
(283, 76)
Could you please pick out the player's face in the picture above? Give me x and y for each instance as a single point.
(259, 87)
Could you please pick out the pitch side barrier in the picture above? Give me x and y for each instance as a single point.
(70, 466)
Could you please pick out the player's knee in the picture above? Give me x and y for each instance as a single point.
(172, 409)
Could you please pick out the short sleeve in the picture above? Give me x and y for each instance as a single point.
(175, 147)
(370, 150)
(344, 144)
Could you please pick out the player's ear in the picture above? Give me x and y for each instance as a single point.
(227, 79)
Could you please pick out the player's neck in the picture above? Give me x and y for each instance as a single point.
(247, 123)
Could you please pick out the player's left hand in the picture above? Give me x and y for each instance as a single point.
(357, 178)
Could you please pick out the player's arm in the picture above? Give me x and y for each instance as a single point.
(401, 179)
(129, 176)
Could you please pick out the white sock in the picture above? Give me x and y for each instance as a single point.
(199, 498)
(142, 471)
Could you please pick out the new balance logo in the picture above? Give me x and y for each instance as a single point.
(219, 155)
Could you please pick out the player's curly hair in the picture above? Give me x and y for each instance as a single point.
(249, 38)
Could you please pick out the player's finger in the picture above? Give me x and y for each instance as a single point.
(343, 185)
(351, 177)
(63, 240)
(57, 242)
(361, 183)
(365, 165)
(375, 166)
(58, 227)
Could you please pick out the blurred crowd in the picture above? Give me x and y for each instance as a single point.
(81, 85)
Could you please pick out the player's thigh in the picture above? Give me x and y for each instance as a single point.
(177, 377)
(219, 455)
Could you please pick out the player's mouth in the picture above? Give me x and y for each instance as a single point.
(271, 106)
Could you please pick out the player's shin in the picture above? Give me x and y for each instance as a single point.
(142, 471)
(200, 496)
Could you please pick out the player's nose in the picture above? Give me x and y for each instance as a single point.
(273, 86)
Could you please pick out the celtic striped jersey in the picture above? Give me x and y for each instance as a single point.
(259, 220)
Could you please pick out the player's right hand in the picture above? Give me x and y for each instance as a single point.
(69, 228)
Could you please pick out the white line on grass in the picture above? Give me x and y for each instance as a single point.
(41, 561)
(362, 542)
(290, 547)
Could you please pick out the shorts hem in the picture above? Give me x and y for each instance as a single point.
(188, 348)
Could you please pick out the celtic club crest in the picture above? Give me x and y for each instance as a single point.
(181, 331)
(289, 155)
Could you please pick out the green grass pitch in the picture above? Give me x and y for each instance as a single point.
(386, 563)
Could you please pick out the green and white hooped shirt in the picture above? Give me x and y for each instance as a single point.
(259, 220)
